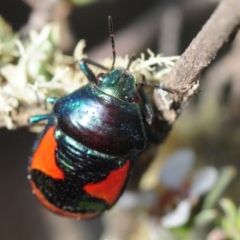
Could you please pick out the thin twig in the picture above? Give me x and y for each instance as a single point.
(184, 76)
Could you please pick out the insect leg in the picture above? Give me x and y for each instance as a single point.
(51, 100)
(83, 64)
(132, 58)
(38, 118)
(147, 108)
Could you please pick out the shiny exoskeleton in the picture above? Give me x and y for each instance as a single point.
(82, 160)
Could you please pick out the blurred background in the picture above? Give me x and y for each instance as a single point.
(190, 190)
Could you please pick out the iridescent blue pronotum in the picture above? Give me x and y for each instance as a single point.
(82, 160)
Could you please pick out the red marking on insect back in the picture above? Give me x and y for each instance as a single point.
(109, 188)
(44, 156)
(57, 210)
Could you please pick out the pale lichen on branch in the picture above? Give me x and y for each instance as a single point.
(41, 71)
(35, 70)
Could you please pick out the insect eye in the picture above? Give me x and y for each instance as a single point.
(135, 98)
(100, 76)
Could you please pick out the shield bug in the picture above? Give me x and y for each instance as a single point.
(82, 160)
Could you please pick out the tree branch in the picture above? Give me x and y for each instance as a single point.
(184, 76)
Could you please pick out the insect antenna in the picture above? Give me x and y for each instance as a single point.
(110, 24)
(155, 86)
